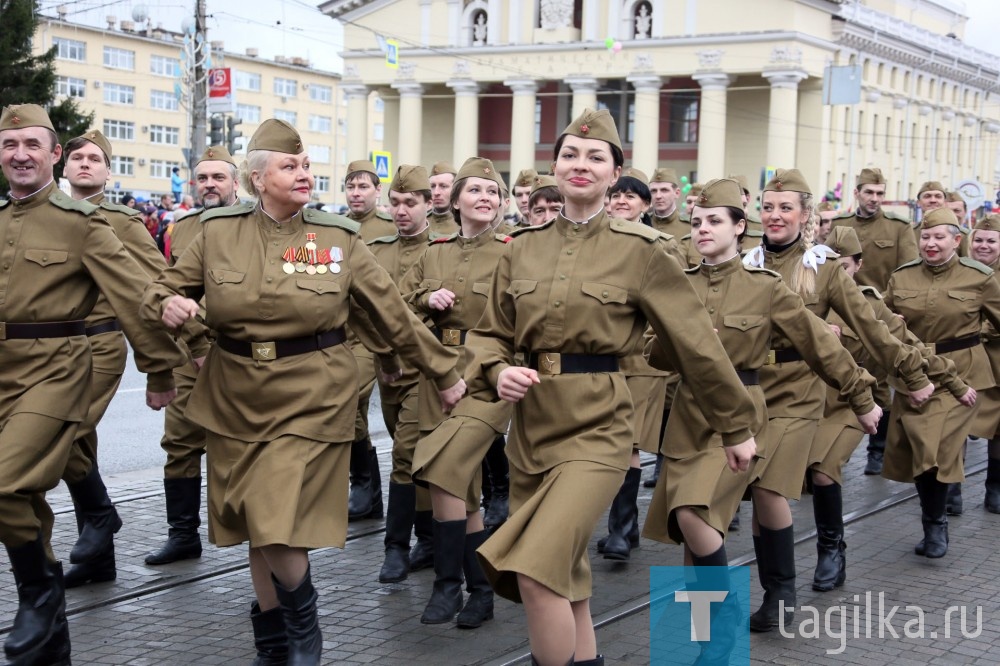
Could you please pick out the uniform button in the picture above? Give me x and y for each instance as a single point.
(45, 257)
(457, 301)
(576, 229)
(10, 242)
(461, 279)
(270, 279)
(466, 259)
(604, 294)
(562, 277)
(557, 303)
(569, 251)
(743, 323)
(715, 289)
(711, 310)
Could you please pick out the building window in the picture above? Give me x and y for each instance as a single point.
(68, 86)
(630, 128)
(248, 113)
(289, 117)
(119, 58)
(322, 184)
(122, 166)
(683, 118)
(286, 87)
(164, 66)
(319, 93)
(538, 120)
(161, 99)
(119, 94)
(161, 168)
(320, 124)
(319, 154)
(875, 132)
(119, 130)
(166, 135)
(247, 81)
(379, 105)
(70, 49)
(378, 132)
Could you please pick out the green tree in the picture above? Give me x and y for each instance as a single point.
(26, 78)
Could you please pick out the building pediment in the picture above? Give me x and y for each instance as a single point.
(350, 10)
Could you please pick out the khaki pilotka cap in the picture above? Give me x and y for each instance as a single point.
(742, 180)
(95, 137)
(665, 175)
(278, 136)
(988, 223)
(525, 178)
(931, 186)
(696, 189)
(788, 180)
(844, 241)
(480, 167)
(543, 180)
(632, 172)
(595, 125)
(216, 153)
(938, 217)
(720, 192)
(440, 168)
(361, 165)
(871, 177)
(18, 116)
(410, 178)
(953, 196)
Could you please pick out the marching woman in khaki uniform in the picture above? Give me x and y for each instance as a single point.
(278, 391)
(839, 433)
(945, 299)
(574, 296)
(986, 250)
(794, 393)
(448, 287)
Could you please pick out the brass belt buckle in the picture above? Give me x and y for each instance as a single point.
(451, 337)
(550, 363)
(264, 351)
(771, 357)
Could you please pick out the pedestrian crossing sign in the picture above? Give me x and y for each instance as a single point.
(383, 164)
(392, 54)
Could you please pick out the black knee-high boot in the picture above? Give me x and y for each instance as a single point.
(623, 520)
(776, 563)
(831, 562)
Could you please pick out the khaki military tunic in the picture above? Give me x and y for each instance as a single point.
(987, 421)
(748, 307)
(795, 393)
(296, 405)
(57, 256)
(671, 224)
(443, 223)
(584, 289)
(886, 244)
(940, 303)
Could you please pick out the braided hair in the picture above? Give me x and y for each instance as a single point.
(804, 280)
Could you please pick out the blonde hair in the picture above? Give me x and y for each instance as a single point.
(804, 280)
(256, 161)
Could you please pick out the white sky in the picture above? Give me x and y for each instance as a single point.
(296, 28)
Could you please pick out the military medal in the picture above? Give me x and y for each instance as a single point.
(322, 259)
(321, 269)
(310, 269)
(336, 256)
(311, 247)
(289, 257)
(288, 268)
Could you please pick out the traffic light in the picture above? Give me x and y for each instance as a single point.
(216, 138)
(232, 133)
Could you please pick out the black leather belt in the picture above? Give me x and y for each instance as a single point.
(46, 329)
(554, 363)
(268, 351)
(106, 327)
(450, 337)
(956, 344)
(749, 377)
(783, 356)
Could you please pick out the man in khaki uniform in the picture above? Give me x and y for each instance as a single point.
(58, 255)
(409, 200)
(441, 220)
(522, 191)
(753, 217)
(665, 189)
(184, 441)
(363, 189)
(544, 201)
(88, 163)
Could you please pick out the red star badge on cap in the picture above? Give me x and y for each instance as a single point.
(211, 153)
(703, 199)
(778, 185)
(585, 128)
(15, 120)
(486, 170)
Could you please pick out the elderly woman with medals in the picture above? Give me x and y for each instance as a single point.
(278, 391)
(574, 296)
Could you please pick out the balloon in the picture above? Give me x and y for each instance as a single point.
(609, 42)
(684, 179)
(617, 47)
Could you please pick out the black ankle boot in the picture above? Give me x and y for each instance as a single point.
(398, 525)
(99, 570)
(422, 552)
(479, 607)
(183, 498)
(365, 500)
(449, 551)
(876, 446)
(933, 497)
(298, 609)
(651, 481)
(776, 563)
(100, 519)
(992, 500)
(623, 520)
(831, 562)
(41, 611)
(269, 636)
(499, 482)
(953, 500)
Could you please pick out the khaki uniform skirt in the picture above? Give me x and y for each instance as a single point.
(648, 397)
(837, 436)
(290, 491)
(987, 421)
(786, 445)
(927, 437)
(451, 458)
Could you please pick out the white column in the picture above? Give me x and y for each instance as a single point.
(411, 122)
(590, 18)
(513, 22)
(357, 120)
(659, 18)
(584, 93)
(493, 22)
(646, 136)
(712, 124)
(615, 21)
(783, 118)
(454, 21)
(466, 141)
(522, 124)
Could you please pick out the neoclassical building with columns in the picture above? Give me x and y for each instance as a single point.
(710, 87)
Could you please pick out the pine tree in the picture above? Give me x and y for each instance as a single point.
(26, 78)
